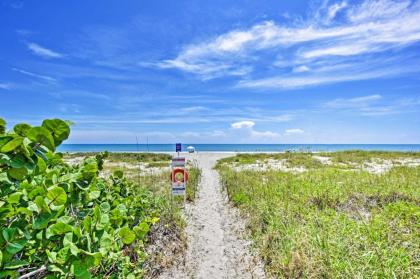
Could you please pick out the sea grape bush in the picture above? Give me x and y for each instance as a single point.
(65, 221)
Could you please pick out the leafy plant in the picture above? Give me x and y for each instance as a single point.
(65, 221)
(2, 126)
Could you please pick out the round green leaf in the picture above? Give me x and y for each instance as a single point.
(59, 129)
(22, 129)
(18, 173)
(80, 270)
(57, 196)
(12, 145)
(41, 165)
(127, 236)
(58, 229)
(14, 247)
(42, 136)
(42, 221)
(105, 207)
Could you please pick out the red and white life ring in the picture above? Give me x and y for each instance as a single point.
(175, 171)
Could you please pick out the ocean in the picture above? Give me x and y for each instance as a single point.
(236, 147)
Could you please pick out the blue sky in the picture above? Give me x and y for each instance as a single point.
(214, 71)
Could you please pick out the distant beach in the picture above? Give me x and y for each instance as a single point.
(237, 147)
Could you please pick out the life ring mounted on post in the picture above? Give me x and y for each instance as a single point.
(184, 176)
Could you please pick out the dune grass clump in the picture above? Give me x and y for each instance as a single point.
(331, 222)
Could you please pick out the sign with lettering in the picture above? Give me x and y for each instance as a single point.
(178, 147)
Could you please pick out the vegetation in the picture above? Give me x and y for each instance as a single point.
(193, 182)
(157, 180)
(60, 220)
(359, 156)
(328, 221)
(307, 159)
(128, 157)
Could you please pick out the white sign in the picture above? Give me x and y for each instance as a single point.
(178, 189)
(178, 162)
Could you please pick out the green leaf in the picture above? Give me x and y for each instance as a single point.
(58, 229)
(80, 270)
(87, 222)
(65, 219)
(8, 234)
(52, 256)
(54, 268)
(42, 221)
(12, 145)
(22, 129)
(103, 222)
(2, 126)
(40, 202)
(57, 196)
(59, 129)
(14, 198)
(141, 230)
(16, 246)
(18, 161)
(5, 139)
(15, 264)
(93, 195)
(93, 259)
(127, 235)
(18, 173)
(1, 258)
(106, 240)
(118, 173)
(33, 207)
(105, 207)
(41, 165)
(63, 255)
(42, 136)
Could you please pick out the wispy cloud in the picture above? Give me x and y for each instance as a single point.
(6, 86)
(294, 131)
(340, 33)
(354, 102)
(35, 75)
(43, 51)
(242, 124)
(373, 105)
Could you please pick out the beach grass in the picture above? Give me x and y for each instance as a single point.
(129, 157)
(150, 170)
(330, 221)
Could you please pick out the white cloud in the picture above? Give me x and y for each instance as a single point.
(334, 9)
(374, 105)
(370, 28)
(6, 86)
(353, 102)
(301, 69)
(47, 78)
(244, 131)
(43, 52)
(295, 131)
(323, 77)
(242, 124)
(378, 9)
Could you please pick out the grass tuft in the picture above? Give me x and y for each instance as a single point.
(330, 221)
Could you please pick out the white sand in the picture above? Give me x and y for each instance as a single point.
(217, 245)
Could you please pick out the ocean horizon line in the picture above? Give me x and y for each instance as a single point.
(235, 147)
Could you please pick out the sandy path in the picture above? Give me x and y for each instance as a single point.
(217, 247)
